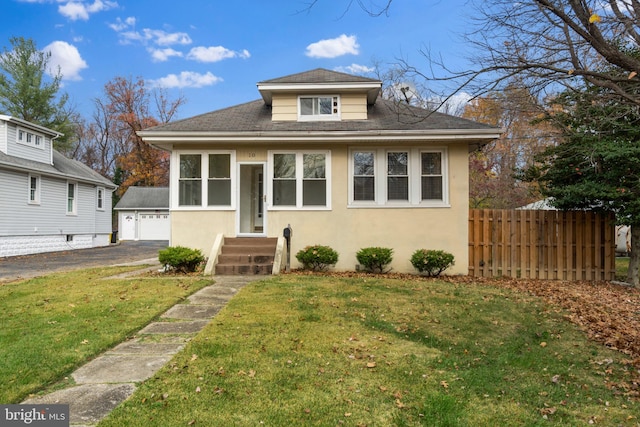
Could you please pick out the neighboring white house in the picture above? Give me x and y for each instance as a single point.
(47, 201)
(143, 214)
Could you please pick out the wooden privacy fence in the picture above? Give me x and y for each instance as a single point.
(539, 244)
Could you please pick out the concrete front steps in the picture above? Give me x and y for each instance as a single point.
(246, 255)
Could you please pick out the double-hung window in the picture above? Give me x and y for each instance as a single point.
(34, 189)
(318, 108)
(100, 198)
(300, 180)
(72, 195)
(205, 179)
(399, 177)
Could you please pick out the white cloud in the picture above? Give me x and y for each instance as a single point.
(76, 10)
(215, 54)
(162, 38)
(162, 55)
(186, 79)
(121, 25)
(332, 48)
(66, 58)
(128, 34)
(355, 69)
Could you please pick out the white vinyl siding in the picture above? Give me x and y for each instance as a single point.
(380, 177)
(41, 153)
(50, 216)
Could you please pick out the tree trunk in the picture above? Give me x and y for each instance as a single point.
(634, 258)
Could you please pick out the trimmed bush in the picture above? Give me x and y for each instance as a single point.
(317, 257)
(431, 262)
(181, 259)
(375, 259)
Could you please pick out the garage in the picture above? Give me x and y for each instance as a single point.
(143, 214)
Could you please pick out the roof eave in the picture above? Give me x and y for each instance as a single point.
(167, 140)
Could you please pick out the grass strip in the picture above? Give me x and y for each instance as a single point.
(53, 324)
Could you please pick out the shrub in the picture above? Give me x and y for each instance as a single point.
(181, 259)
(375, 259)
(431, 262)
(317, 257)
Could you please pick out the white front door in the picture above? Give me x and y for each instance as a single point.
(251, 199)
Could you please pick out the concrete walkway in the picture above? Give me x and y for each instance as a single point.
(111, 378)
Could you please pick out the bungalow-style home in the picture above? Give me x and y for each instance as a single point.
(143, 214)
(323, 153)
(47, 201)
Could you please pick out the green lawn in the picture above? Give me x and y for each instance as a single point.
(314, 350)
(53, 324)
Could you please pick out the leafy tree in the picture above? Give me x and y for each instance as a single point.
(494, 181)
(128, 107)
(25, 92)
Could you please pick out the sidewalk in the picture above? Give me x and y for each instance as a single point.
(111, 378)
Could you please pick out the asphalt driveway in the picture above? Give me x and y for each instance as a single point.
(28, 266)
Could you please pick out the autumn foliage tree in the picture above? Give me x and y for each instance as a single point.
(494, 170)
(111, 143)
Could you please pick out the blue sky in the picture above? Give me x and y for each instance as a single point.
(214, 52)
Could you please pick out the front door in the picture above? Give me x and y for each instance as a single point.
(251, 198)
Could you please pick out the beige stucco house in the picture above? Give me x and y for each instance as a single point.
(321, 151)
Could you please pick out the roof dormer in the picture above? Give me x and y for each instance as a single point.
(319, 95)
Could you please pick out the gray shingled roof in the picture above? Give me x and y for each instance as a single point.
(62, 167)
(138, 198)
(255, 116)
(320, 75)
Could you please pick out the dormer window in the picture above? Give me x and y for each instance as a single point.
(30, 138)
(319, 108)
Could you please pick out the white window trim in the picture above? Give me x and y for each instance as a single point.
(204, 177)
(98, 191)
(34, 138)
(320, 117)
(299, 180)
(74, 210)
(36, 199)
(415, 178)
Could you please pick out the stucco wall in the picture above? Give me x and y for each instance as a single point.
(348, 229)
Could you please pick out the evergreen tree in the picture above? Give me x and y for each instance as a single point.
(26, 94)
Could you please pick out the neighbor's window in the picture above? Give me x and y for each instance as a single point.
(398, 177)
(190, 182)
(319, 108)
(71, 198)
(30, 138)
(219, 184)
(299, 180)
(100, 198)
(34, 189)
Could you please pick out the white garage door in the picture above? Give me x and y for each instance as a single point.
(154, 226)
